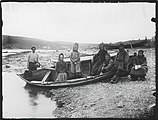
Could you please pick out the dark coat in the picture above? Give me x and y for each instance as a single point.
(107, 65)
(61, 67)
(141, 71)
(99, 58)
(121, 60)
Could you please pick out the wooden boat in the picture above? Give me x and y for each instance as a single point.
(46, 77)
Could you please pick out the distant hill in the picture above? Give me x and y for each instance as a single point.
(144, 43)
(17, 42)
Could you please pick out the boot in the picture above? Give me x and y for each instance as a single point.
(133, 78)
(114, 80)
(142, 78)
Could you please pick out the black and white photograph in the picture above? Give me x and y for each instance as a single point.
(78, 60)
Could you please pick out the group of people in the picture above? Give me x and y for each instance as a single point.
(121, 65)
(61, 66)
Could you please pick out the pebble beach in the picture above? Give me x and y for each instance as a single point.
(126, 99)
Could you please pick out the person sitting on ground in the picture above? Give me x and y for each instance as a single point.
(61, 68)
(98, 60)
(75, 62)
(131, 61)
(107, 64)
(32, 61)
(120, 64)
(140, 67)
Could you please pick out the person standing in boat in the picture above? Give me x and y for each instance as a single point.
(61, 68)
(98, 60)
(140, 67)
(120, 64)
(107, 64)
(75, 62)
(32, 62)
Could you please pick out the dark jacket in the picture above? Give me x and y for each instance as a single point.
(108, 64)
(100, 56)
(121, 60)
(140, 60)
(61, 67)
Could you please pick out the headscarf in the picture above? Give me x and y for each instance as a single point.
(141, 52)
(101, 45)
(59, 56)
(76, 44)
(122, 45)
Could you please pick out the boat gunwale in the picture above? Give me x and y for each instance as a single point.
(65, 83)
(60, 84)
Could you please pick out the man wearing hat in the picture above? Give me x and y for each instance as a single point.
(120, 64)
(32, 62)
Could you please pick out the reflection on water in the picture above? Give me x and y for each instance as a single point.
(25, 101)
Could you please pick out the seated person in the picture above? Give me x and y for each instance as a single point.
(61, 68)
(131, 61)
(140, 68)
(98, 60)
(120, 64)
(107, 64)
(75, 62)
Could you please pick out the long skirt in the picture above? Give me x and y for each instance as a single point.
(96, 68)
(139, 72)
(75, 68)
(32, 66)
(61, 77)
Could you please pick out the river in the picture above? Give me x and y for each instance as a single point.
(24, 101)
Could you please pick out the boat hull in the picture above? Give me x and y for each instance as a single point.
(38, 75)
(72, 82)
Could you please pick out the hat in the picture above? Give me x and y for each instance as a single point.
(141, 51)
(33, 47)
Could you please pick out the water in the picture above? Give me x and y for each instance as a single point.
(6, 52)
(24, 101)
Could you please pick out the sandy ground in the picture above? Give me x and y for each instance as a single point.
(126, 99)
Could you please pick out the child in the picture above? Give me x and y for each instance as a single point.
(107, 64)
(75, 61)
(61, 68)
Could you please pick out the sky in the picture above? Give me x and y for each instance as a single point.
(79, 22)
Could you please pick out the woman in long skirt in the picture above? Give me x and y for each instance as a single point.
(75, 62)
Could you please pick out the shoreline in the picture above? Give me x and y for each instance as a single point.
(126, 99)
